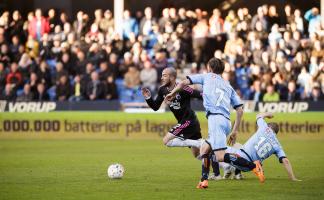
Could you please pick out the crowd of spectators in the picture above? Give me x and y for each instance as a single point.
(267, 56)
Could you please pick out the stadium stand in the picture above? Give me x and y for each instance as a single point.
(268, 57)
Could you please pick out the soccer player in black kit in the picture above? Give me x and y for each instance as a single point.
(187, 132)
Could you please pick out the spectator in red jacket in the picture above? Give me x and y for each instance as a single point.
(14, 77)
(38, 26)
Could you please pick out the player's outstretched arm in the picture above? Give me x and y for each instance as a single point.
(289, 169)
(233, 135)
(172, 94)
(265, 115)
(155, 104)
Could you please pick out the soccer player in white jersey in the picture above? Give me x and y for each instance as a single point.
(218, 98)
(263, 144)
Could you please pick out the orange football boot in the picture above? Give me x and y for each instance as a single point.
(258, 171)
(202, 184)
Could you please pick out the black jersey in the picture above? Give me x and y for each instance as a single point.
(180, 105)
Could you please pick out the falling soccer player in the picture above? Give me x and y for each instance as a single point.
(260, 146)
(218, 98)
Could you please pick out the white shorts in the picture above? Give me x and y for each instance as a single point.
(219, 128)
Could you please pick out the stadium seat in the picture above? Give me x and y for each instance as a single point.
(52, 93)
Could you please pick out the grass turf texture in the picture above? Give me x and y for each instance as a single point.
(76, 169)
(61, 168)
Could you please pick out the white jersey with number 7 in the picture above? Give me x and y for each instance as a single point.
(218, 94)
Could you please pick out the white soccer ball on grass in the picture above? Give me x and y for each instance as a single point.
(115, 171)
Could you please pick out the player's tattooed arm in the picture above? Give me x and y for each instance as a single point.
(289, 169)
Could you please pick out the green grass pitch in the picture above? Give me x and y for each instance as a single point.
(76, 169)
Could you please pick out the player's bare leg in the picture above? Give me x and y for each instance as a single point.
(204, 154)
(195, 151)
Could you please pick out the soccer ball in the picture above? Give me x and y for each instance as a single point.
(115, 171)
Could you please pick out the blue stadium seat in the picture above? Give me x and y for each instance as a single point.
(52, 93)
(20, 92)
(51, 63)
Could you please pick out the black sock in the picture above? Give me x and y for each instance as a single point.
(215, 165)
(238, 161)
(205, 167)
(237, 171)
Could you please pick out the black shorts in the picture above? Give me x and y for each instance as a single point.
(187, 129)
